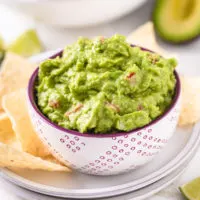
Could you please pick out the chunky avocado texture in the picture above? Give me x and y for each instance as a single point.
(177, 21)
(104, 85)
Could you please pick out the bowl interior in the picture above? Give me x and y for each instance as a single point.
(32, 100)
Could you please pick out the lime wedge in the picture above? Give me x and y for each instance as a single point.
(26, 44)
(191, 190)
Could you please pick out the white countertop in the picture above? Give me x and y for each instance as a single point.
(124, 26)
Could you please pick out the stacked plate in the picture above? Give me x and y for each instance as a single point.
(138, 184)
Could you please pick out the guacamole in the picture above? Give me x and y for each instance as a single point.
(105, 85)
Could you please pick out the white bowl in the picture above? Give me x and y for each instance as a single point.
(105, 154)
(74, 12)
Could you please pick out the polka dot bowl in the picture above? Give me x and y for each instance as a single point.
(104, 154)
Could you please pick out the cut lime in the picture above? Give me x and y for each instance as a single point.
(191, 190)
(26, 44)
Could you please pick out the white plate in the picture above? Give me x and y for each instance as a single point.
(77, 185)
(140, 194)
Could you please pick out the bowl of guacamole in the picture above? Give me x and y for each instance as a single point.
(99, 91)
(105, 85)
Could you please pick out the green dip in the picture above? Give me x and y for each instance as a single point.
(105, 85)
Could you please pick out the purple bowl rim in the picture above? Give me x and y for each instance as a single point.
(73, 132)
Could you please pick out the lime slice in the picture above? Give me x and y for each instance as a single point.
(191, 190)
(26, 44)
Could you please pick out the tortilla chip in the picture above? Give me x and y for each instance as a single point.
(14, 74)
(145, 36)
(190, 106)
(15, 106)
(14, 158)
(7, 134)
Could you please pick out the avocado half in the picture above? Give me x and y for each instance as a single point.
(177, 21)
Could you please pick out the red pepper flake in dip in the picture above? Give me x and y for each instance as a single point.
(140, 107)
(74, 110)
(130, 75)
(54, 104)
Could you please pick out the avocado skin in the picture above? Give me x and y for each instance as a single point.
(155, 18)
